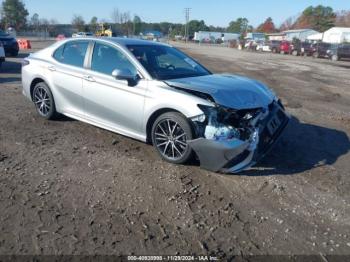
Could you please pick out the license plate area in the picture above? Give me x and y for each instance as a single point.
(273, 124)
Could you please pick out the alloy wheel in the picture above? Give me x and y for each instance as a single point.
(170, 139)
(42, 100)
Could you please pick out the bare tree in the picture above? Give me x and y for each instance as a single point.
(115, 15)
(78, 22)
(288, 24)
(343, 19)
(121, 21)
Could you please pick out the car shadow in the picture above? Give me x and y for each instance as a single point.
(301, 148)
(63, 118)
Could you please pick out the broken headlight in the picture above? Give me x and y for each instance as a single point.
(222, 123)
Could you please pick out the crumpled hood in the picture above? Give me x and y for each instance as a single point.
(231, 91)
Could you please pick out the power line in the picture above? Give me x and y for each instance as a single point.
(187, 17)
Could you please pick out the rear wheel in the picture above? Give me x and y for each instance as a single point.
(43, 101)
(170, 133)
(334, 57)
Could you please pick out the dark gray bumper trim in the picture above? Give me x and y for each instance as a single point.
(214, 155)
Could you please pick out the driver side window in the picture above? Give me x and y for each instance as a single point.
(106, 58)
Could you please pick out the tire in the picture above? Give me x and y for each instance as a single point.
(334, 58)
(43, 101)
(316, 55)
(295, 53)
(170, 133)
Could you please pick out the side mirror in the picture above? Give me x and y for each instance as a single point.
(125, 74)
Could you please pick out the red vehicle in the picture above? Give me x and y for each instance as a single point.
(285, 47)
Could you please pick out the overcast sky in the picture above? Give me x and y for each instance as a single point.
(213, 12)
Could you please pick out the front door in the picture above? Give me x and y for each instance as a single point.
(111, 102)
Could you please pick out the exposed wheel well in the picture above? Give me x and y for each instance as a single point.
(153, 118)
(33, 84)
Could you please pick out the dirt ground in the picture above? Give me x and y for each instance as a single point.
(70, 188)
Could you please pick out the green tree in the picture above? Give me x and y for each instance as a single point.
(78, 22)
(239, 26)
(137, 25)
(195, 26)
(319, 18)
(14, 14)
(93, 24)
(35, 21)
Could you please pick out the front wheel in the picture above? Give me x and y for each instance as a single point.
(170, 133)
(43, 101)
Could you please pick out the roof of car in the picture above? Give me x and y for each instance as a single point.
(125, 41)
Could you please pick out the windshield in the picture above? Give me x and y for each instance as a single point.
(163, 62)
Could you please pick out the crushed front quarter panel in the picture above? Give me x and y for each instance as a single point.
(234, 155)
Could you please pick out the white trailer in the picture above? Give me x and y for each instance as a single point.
(205, 36)
(337, 35)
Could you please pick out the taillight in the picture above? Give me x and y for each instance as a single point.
(25, 62)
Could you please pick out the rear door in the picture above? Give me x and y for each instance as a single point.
(67, 77)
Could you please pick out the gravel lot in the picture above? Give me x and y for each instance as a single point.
(70, 188)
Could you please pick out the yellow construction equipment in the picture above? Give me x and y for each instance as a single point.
(104, 32)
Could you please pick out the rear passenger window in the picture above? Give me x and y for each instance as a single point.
(72, 53)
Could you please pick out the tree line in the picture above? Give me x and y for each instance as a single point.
(15, 14)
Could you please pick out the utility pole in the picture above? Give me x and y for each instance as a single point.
(187, 17)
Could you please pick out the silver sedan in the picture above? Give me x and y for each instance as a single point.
(155, 93)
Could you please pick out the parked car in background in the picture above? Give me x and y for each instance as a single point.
(274, 46)
(301, 48)
(2, 54)
(285, 47)
(10, 44)
(339, 52)
(82, 34)
(155, 93)
(250, 45)
(321, 50)
(263, 47)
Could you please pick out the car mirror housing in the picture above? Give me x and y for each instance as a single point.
(125, 74)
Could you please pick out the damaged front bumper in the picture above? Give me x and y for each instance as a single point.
(235, 155)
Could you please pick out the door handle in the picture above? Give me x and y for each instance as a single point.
(51, 68)
(89, 78)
